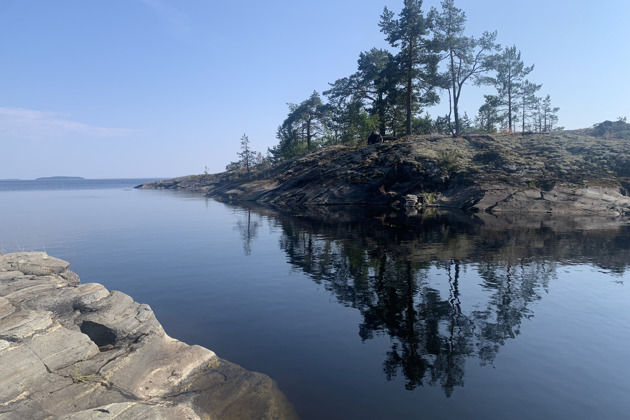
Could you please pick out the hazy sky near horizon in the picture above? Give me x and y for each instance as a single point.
(164, 88)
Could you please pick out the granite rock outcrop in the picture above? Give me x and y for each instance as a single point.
(568, 172)
(79, 351)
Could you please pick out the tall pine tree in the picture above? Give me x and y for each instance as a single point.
(306, 123)
(247, 155)
(366, 93)
(416, 59)
(528, 100)
(508, 81)
(465, 57)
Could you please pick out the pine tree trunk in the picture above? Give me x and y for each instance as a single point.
(308, 134)
(509, 110)
(455, 96)
(408, 104)
(409, 87)
(381, 115)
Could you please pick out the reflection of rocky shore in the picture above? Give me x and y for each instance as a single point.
(455, 235)
(79, 351)
(381, 262)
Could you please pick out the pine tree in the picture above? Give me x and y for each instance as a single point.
(247, 155)
(528, 99)
(549, 114)
(416, 60)
(489, 115)
(510, 73)
(305, 124)
(466, 57)
(360, 102)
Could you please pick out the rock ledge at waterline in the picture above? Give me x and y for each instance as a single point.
(562, 172)
(78, 351)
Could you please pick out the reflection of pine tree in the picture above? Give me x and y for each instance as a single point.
(248, 229)
(513, 289)
(431, 335)
(449, 365)
(395, 311)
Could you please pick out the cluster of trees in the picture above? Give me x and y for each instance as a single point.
(430, 54)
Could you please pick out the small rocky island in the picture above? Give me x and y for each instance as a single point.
(79, 351)
(60, 178)
(561, 172)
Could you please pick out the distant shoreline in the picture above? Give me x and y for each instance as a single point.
(59, 178)
(74, 178)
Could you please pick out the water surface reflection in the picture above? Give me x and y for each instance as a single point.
(404, 275)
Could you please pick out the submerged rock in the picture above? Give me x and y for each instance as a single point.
(79, 351)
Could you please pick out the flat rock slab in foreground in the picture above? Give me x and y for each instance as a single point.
(78, 351)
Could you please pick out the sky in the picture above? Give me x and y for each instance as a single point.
(166, 88)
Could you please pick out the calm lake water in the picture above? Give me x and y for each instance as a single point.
(361, 313)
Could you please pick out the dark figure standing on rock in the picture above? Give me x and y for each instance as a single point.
(374, 138)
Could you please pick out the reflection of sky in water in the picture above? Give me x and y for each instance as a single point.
(288, 296)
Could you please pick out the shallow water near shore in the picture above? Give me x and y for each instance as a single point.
(361, 313)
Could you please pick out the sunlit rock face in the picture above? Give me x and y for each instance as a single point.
(72, 351)
(567, 172)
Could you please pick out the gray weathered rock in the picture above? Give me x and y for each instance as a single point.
(78, 351)
(560, 173)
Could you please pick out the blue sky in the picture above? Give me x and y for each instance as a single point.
(164, 88)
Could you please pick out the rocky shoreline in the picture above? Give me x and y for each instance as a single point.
(79, 351)
(567, 172)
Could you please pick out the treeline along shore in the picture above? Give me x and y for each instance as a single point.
(560, 172)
